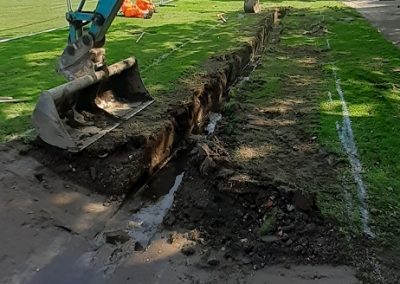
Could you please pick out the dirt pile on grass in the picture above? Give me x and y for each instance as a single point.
(251, 190)
(251, 220)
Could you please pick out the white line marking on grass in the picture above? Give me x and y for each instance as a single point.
(322, 16)
(164, 2)
(31, 34)
(328, 44)
(330, 96)
(178, 48)
(346, 136)
(4, 40)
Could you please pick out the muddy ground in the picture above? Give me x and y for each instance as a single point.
(237, 205)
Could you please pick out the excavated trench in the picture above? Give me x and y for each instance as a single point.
(127, 157)
(146, 159)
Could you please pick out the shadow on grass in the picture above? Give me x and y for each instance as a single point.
(368, 68)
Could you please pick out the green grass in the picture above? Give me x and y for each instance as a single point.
(19, 18)
(366, 64)
(368, 67)
(287, 60)
(27, 66)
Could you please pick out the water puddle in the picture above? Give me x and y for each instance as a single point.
(158, 197)
(145, 223)
(214, 118)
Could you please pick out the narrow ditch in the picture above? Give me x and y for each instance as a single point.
(158, 193)
(159, 161)
(155, 187)
(157, 196)
(130, 156)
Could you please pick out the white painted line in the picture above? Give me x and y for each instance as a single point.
(347, 195)
(328, 44)
(164, 2)
(31, 34)
(346, 136)
(330, 96)
(4, 40)
(347, 140)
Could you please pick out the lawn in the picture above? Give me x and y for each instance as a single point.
(187, 33)
(19, 18)
(368, 67)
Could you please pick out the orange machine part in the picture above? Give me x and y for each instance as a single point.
(141, 8)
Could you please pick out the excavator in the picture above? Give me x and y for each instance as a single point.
(97, 98)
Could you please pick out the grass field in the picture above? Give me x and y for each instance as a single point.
(368, 67)
(23, 17)
(27, 66)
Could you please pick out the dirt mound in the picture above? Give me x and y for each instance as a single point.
(252, 221)
(251, 190)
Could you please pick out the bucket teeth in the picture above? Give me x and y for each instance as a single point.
(76, 114)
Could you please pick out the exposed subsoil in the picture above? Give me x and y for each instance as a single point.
(131, 153)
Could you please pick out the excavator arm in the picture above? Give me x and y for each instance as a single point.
(97, 97)
(87, 30)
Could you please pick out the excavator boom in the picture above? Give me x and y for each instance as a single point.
(87, 30)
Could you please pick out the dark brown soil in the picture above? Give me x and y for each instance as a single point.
(253, 219)
(251, 188)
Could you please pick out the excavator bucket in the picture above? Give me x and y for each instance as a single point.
(74, 115)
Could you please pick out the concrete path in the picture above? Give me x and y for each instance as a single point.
(384, 15)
